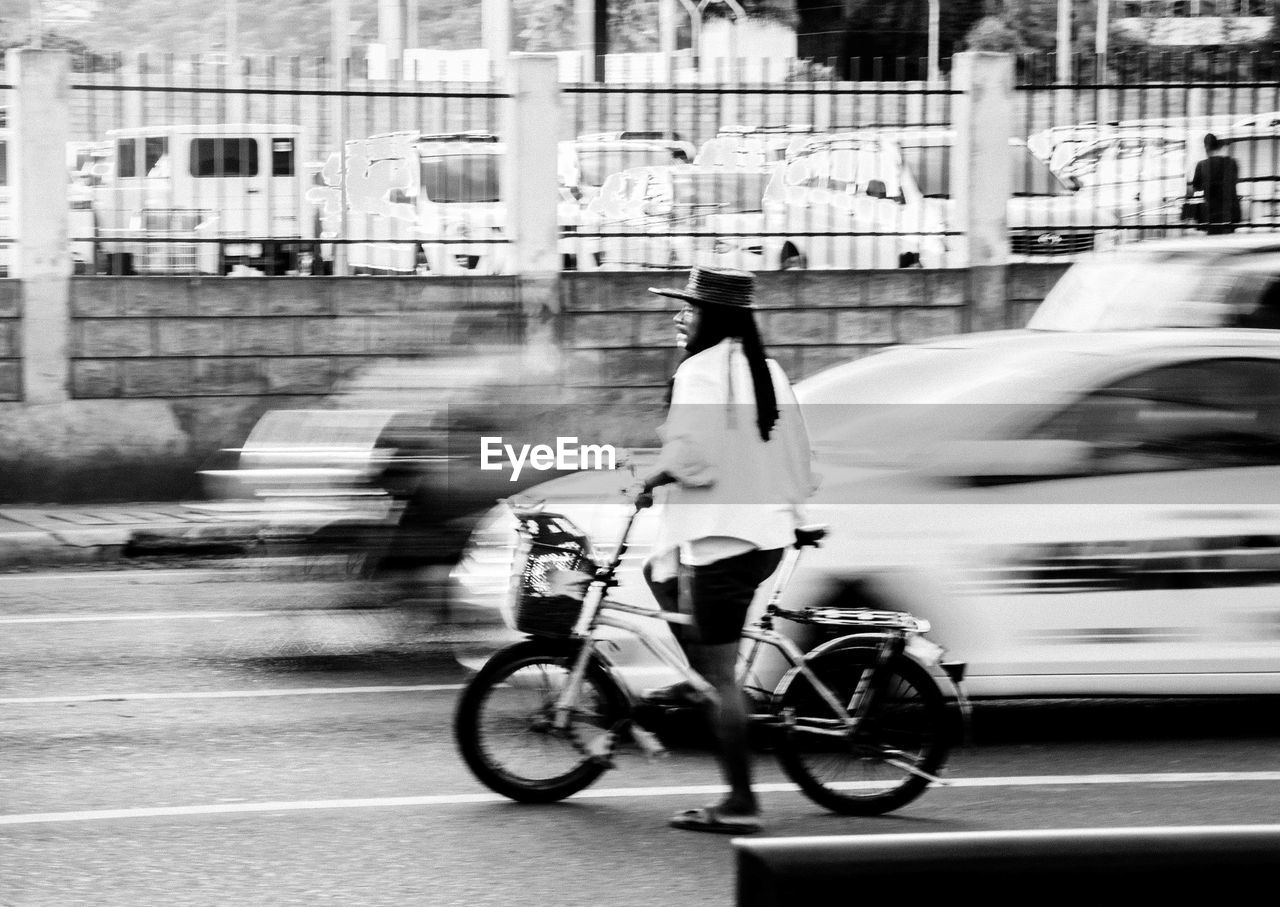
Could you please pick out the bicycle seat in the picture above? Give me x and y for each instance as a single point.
(810, 536)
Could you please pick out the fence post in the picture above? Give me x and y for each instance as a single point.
(531, 130)
(40, 128)
(981, 179)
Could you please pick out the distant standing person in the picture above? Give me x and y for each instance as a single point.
(1215, 177)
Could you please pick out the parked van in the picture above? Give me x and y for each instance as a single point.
(421, 203)
(210, 199)
(425, 203)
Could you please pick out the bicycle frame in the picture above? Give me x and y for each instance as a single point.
(599, 611)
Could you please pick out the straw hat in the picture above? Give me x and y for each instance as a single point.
(716, 286)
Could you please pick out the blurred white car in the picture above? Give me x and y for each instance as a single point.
(1077, 512)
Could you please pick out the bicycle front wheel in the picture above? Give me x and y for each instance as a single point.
(510, 736)
(875, 769)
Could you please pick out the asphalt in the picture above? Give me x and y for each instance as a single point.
(34, 536)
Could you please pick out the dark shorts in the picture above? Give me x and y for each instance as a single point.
(718, 595)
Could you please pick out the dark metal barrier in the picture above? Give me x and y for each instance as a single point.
(1072, 866)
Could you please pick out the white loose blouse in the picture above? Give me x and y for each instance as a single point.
(733, 491)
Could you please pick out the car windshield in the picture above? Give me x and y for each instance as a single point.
(931, 166)
(1134, 291)
(595, 166)
(461, 178)
(729, 191)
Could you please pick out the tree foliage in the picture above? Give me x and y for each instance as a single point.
(288, 28)
(781, 11)
(892, 29)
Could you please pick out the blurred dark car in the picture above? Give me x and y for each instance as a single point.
(402, 460)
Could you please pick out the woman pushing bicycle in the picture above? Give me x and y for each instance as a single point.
(735, 463)
(858, 722)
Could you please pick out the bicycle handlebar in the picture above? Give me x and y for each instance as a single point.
(810, 536)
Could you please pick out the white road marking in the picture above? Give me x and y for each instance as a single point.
(119, 575)
(177, 615)
(212, 809)
(237, 694)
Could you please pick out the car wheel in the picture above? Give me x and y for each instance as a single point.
(793, 258)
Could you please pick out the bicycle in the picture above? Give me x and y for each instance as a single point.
(863, 727)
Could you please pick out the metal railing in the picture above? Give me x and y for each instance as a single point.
(282, 169)
(755, 169)
(189, 165)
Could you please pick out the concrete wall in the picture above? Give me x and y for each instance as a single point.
(10, 340)
(165, 372)
(617, 336)
(167, 338)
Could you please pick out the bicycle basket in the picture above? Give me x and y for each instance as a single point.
(544, 606)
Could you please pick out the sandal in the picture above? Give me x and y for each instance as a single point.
(706, 818)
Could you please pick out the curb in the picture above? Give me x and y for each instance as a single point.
(1168, 865)
(37, 549)
(33, 549)
(27, 547)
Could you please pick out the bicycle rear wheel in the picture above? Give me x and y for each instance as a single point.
(869, 772)
(505, 724)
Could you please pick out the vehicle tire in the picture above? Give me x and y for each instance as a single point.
(278, 259)
(503, 724)
(119, 264)
(792, 258)
(851, 776)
